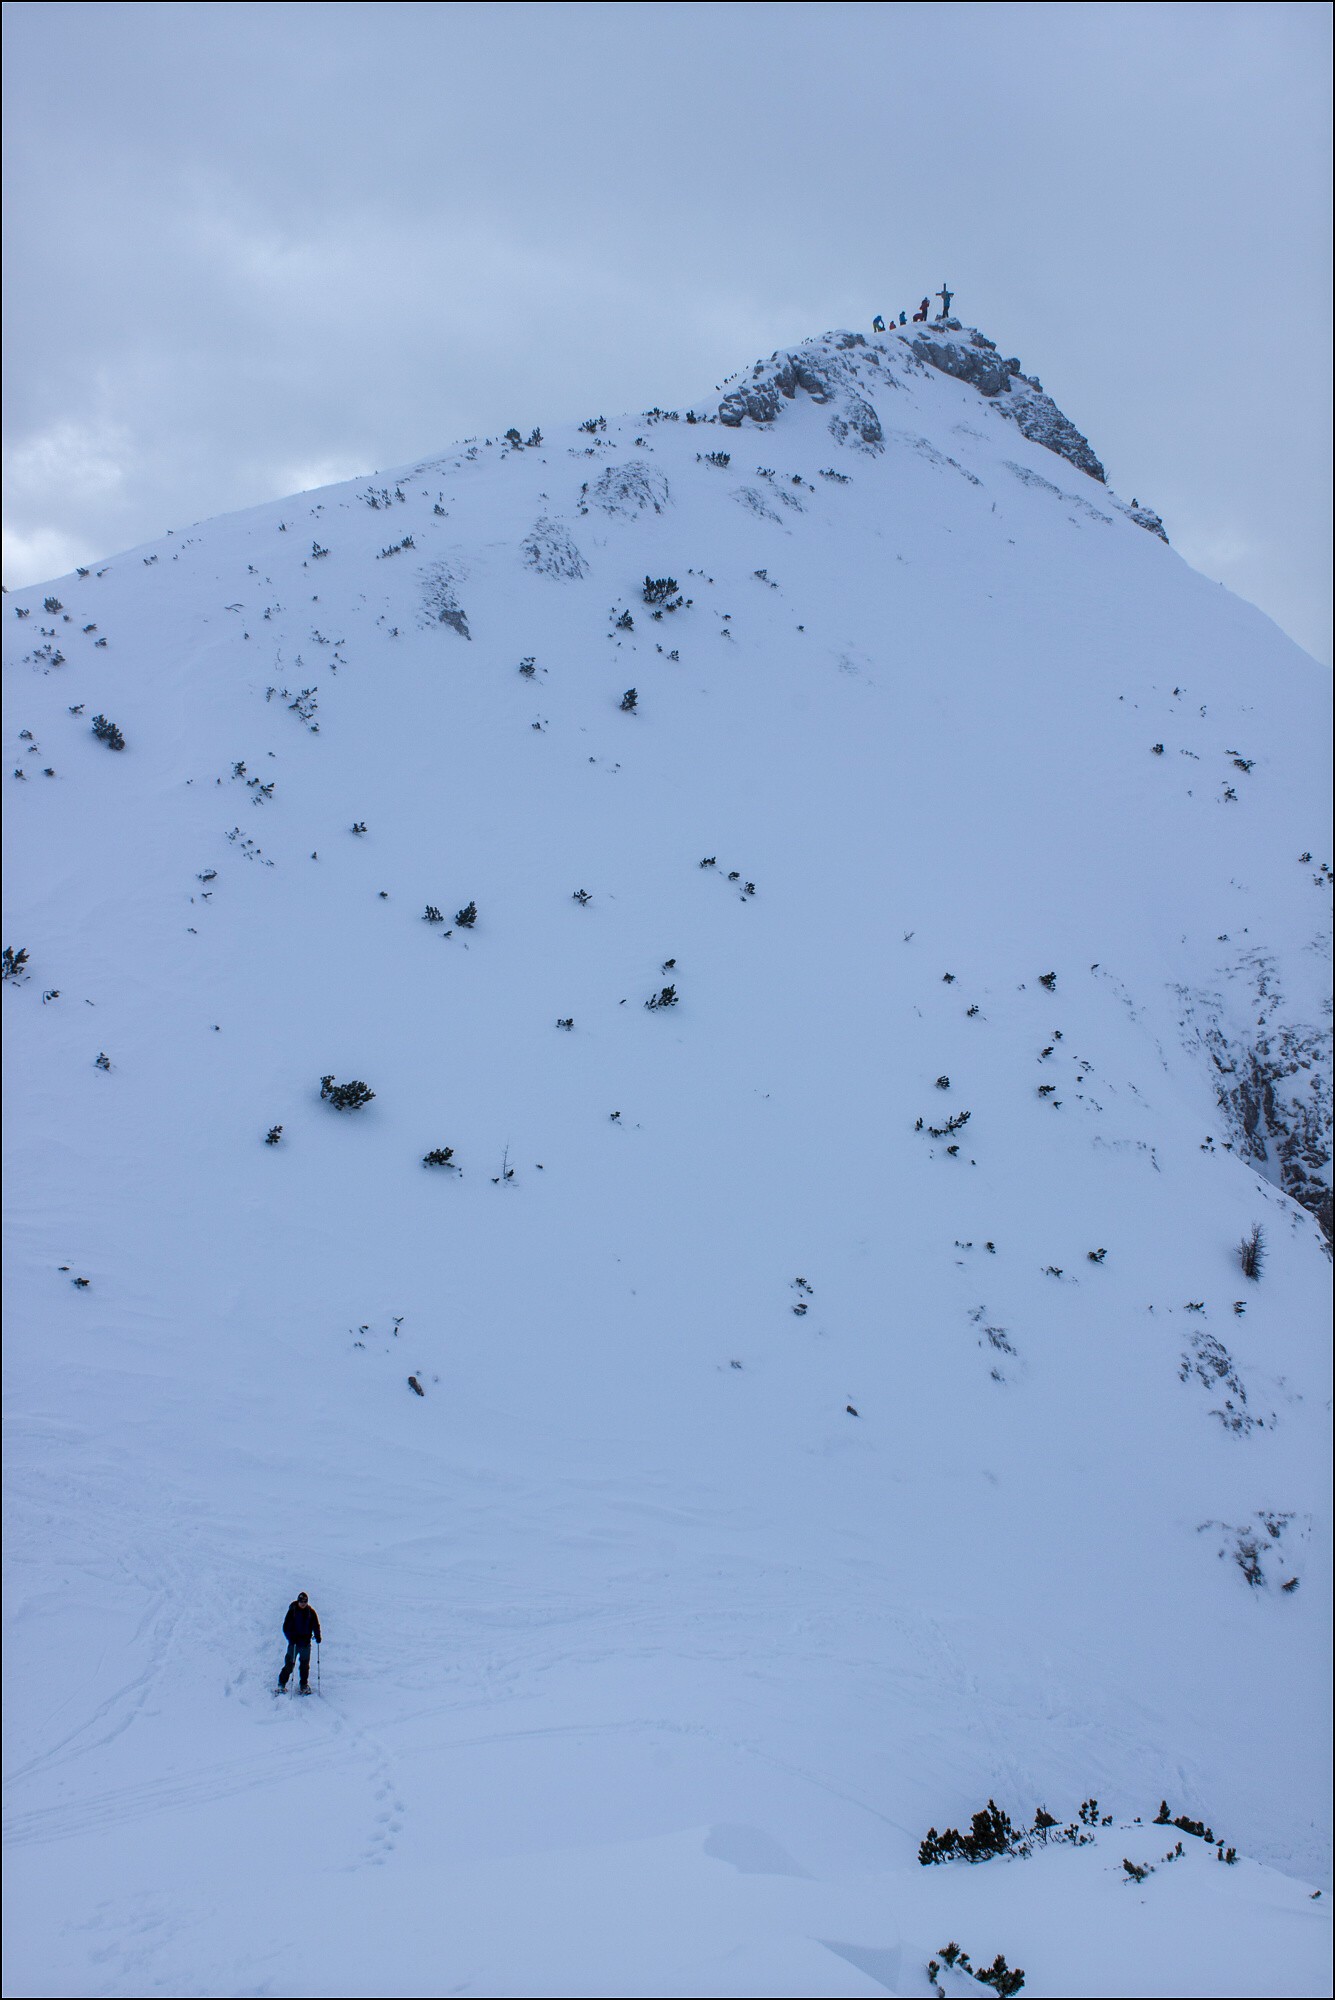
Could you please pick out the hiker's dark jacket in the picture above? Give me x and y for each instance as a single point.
(301, 1624)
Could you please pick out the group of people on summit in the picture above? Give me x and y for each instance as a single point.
(945, 295)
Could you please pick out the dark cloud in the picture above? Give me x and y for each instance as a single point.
(251, 247)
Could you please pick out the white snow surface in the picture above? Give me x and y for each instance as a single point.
(647, 1662)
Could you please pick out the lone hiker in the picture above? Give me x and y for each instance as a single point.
(299, 1627)
(945, 295)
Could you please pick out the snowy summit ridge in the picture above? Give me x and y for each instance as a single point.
(848, 369)
(682, 1064)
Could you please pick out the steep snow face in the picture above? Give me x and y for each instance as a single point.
(844, 913)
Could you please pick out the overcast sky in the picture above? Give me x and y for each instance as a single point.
(252, 248)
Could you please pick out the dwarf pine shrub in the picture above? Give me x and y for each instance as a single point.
(345, 1096)
(990, 1833)
(1251, 1251)
(1005, 1978)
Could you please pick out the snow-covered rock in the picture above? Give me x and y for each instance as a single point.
(826, 372)
(550, 549)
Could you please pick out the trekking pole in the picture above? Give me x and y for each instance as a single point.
(317, 1666)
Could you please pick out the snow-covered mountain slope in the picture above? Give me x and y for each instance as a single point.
(841, 1400)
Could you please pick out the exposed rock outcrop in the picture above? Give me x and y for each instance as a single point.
(820, 368)
(629, 489)
(974, 360)
(1273, 1081)
(1043, 423)
(1145, 517)
(758, 400)
(1277, 1098)
(549, 549)
(440, 604)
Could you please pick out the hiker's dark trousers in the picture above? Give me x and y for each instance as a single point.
(296, 1653)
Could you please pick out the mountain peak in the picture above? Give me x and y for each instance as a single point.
(848, 371)
(475, 935)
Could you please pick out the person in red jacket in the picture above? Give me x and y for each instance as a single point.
(299, 1627)
(922, 311)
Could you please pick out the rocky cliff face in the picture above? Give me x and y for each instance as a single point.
(971, 357)
(1272, 1076)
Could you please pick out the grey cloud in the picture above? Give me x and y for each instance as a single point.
(248, 244)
